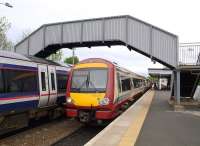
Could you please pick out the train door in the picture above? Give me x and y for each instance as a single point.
(43, 85)
(52, 85)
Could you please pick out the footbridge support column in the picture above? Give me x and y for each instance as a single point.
(177, 86)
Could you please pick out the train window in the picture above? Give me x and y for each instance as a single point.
(62, 82)
(119, 83)
(90, 80)
(97, 80)
(43, 79)
(136, 83)
(126, 84)
(1, 82)
(20, 81)
(79, 80)
(53, 81)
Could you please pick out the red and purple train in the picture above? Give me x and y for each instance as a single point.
(98, 89)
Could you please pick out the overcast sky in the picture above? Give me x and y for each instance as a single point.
(180, 17)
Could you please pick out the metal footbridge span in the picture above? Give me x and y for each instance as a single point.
(137, 35)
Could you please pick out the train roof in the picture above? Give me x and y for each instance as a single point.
(128, 72)
(13, 55)
(90, 60)
(9, 54)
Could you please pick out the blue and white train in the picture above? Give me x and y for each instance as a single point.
(30, 88)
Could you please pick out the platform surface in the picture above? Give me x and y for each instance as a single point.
(151, 121)
(124, 130)
(164, 127)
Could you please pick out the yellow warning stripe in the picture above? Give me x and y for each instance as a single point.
(131, 135)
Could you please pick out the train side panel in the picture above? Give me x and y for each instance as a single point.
(20, 92)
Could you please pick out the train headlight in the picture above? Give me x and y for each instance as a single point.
(104, 101)
(69, 100)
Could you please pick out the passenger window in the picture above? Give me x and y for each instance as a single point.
(20, 81)
(126, 85)
(62, 82)
(43, 81)
(53, 81)
(1, 82)
(119, 83)
(136, 83)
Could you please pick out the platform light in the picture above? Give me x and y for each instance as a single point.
(7, 5)
(154, 62)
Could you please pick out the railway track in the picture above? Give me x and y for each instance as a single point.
(80, 136)
(59, 132)
(43, 135)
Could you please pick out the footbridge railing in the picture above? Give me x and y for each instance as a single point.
(189, 54)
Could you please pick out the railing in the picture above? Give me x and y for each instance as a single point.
(189, 54)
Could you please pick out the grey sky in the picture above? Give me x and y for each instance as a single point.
(180, 17)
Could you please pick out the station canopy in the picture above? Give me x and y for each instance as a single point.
(160, 72)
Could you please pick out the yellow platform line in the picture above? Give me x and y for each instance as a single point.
(132, 133)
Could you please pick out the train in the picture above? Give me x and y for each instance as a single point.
(98, 90)
(30, 88)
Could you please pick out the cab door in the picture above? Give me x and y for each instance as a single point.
(43, 85)
(52, 85)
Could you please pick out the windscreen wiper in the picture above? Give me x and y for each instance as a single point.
(85, 82)
(95, 88)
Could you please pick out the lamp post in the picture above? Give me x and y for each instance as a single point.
(73, 54)
(6, 4)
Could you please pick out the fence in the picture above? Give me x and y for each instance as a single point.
(189, 54)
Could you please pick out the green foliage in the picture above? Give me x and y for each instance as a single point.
(69, 60)
(56, 57)
(151, 78)
(5, 44)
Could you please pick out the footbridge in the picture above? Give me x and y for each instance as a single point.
(136, 34)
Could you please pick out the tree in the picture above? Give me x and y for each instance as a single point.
(5, 44)
(69, 60)
(152, 78)
(56, 57)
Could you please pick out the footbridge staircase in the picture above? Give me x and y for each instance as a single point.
(189, 66)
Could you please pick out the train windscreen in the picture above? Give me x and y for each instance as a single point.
(89, 80)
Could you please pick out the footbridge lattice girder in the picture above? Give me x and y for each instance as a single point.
(125, 30)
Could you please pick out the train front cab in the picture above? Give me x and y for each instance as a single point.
(90, 91)
(97, 89)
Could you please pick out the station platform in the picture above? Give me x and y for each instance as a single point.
(152, 121)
